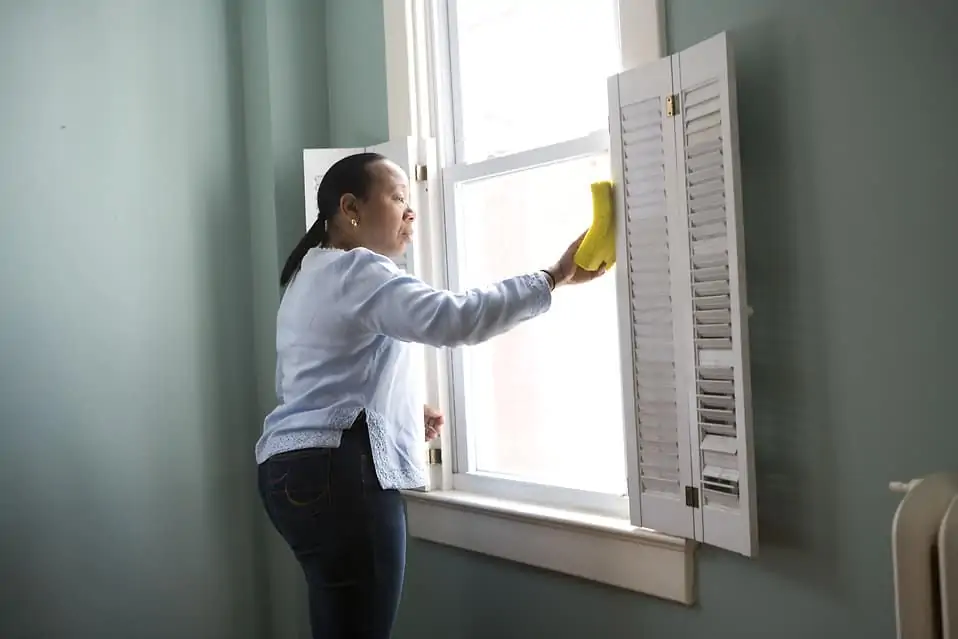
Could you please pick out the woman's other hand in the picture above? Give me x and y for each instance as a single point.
(565, 270)
(433, 420)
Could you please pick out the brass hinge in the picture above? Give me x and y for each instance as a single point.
(421, 173)
(671, 105)
(691, 497)
(435, 456)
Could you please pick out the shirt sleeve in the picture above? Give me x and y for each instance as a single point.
(388, 301)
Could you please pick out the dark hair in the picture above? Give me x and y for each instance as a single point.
(349, 175)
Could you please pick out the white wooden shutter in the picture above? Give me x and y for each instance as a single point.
(714, 501)
(656, 417)
(707, 137)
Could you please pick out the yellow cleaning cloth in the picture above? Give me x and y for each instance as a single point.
(598, 245)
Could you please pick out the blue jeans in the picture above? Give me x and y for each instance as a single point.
(347, 533)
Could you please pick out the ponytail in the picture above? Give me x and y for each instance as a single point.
(348, 175)
(315, 236)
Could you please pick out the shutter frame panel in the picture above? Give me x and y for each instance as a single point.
(710, 191)
(644, 170)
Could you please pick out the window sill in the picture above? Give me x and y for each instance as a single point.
(603, 549)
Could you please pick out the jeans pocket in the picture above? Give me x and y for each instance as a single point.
(301, 482)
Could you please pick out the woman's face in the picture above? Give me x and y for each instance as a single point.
(383, 220)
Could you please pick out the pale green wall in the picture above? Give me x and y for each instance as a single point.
(847, 133)
(297, 97)
(286, 98)
(356, 53)
(287, 109)
(137, 271)
(126, 377)
(150, 185)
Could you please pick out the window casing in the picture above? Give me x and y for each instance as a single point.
(649, 546)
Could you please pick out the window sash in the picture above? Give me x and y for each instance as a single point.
(451, 112)
(465, 475)
(446, 115)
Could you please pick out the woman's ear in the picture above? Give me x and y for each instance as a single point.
(349, 205)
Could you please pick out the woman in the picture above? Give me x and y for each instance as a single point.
(347, 434)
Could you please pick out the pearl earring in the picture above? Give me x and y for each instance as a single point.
(354, 222)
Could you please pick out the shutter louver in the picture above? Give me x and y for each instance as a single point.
(644, 170)
(711, 300)
(721, 439)
(647, 238)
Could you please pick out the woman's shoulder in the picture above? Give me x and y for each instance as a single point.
(364, 257)
(324, 259)
(336, 280)
(348, 273)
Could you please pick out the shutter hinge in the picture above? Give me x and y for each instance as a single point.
(691, 497)
(435, 457)
(671, 105)
(421, 173)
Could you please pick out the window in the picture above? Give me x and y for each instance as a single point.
(534, 395)
(537, 412)
(519, 82)
(614, 473)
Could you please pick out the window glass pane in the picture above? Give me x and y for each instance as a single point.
(533, 72)
(543, 402)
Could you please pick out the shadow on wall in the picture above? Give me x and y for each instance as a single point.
(226, 302)
(796, 454)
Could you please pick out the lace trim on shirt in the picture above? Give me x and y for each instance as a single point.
(402, 478)
(329, 437)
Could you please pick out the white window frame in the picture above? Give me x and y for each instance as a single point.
(457, 171)
(574, 532)
(449, 132)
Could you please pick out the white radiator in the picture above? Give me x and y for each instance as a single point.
(925, 557)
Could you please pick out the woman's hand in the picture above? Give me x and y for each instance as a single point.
(565, 270)
(433, 420)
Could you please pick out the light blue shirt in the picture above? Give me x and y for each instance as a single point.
(345, 339)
